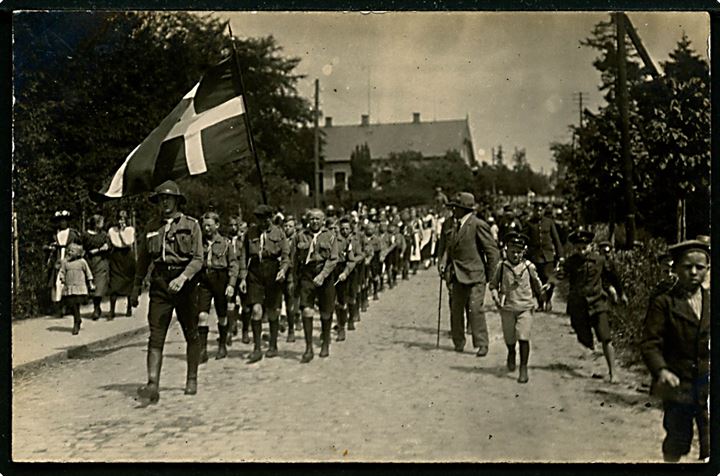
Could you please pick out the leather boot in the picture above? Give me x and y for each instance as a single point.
(203, 332)
(272, 348)
(511, 358)
(291, 328)
(308, 331)
(222, 342)
(256, 354)
(342, 318)
(375, 291)
(151, 391)
(128, 310)
(326, 326)
(193, 360)
(232, 324)
(354, 314)
(96, 309)
(77, 321)
(245, 327)
(524, 356)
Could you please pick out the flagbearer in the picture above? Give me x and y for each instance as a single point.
(263, 267)
(174, 246)
(217, 283)
(316, 258)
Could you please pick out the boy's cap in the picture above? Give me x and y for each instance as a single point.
(263, 211)
(678, 250)
(581, 236)
(514, 238)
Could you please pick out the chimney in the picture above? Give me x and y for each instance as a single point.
(416, 118)
(365, 120)
(328, 121)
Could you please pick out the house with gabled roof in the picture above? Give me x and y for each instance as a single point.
(432, 139)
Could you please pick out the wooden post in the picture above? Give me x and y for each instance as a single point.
(16, 252)
(316, 153)
(622, 103)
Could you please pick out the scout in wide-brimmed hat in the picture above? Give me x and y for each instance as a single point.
(167, 188)
(465, 200)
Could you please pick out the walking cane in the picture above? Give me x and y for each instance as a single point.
(437, 343)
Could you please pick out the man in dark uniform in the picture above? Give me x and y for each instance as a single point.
(544, 249)
(589, 275)
(349, 254)
(264, 264)
(469, 260)
(217, 283)
(174, 246)
(316, 258)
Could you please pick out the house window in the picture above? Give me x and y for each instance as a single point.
(340, 180)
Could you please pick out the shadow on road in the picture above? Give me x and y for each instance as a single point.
(424, 330)
(561, 368)
(424, 345)
(83, 353)
(60, 329)
(130, 391)
(617, 398)
(499, 372)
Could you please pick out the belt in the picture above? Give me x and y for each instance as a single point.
(169, 269)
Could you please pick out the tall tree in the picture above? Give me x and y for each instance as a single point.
(361, 173)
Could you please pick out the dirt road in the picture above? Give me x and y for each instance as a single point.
(385, 394)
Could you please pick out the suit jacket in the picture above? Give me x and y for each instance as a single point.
(675, 339)
(472, 254)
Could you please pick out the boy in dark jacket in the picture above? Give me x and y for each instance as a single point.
(590, 275)
(676, 349)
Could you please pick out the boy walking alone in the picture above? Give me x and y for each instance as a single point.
(514, 287)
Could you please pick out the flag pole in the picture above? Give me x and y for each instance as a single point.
(247, 117)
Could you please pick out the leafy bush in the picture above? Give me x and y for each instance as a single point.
(639, 272)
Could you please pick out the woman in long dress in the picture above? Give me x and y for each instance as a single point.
(97, 246)
(122, 262)
(64, 236)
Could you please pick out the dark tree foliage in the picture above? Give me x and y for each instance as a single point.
(90, 86)
(361, 174)
(669, 143)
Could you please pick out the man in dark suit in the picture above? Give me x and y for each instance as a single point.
(544, 249)
(470, 257)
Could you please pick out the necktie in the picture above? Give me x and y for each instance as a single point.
(311, 249)
(262, 245)
(168, 222)
(209, 255)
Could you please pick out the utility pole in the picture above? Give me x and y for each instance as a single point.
(578, 98)
(622, 103)
(317, 144)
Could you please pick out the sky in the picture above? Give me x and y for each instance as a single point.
(513, 74)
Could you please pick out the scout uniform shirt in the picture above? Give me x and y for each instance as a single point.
(219, 254)
(175, 244)
(317, 252)
(349, 252)
(263, 250)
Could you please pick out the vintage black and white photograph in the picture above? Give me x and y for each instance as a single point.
(360, 236)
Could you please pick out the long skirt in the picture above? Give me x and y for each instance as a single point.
(122, 271)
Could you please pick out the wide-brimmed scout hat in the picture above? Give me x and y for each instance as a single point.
(581, 236)
(678, 250)
(167, 188)
(465, 200)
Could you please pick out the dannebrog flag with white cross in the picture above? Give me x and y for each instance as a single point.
(207, 128)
